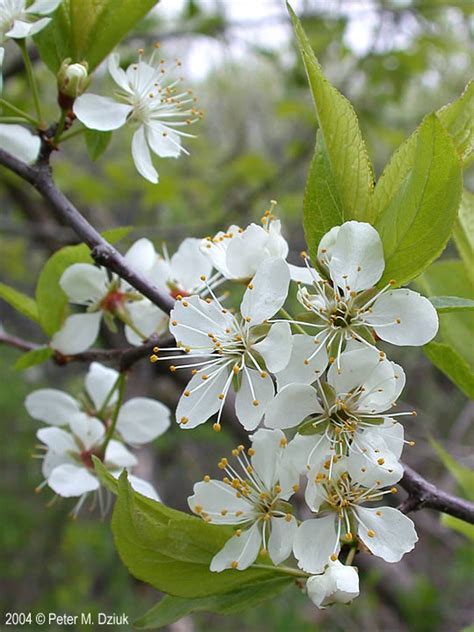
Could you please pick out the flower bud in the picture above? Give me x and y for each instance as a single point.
(338, 584)
(73, 80)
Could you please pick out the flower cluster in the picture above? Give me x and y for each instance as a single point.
(96, 424)
(321, 375)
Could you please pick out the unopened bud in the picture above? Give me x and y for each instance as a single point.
(73, 80)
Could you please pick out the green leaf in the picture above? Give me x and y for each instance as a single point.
(19, 301)
(322, 208)
(416, 201)
(452, 364)
(341, 153)
(449, 277)
(463, 475)
(446, 304)
(464, 232)
(170, 609)
(88, 30)
(460, 526)
(51, 300)
(458, 118)
(171, 550)
(32, 358)
(97, 143)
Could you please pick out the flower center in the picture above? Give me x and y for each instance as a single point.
(113, 301)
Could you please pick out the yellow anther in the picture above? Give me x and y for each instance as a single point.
(414, 413)
(184, 421)
(223, 463)
(380, 461)
(153, 358)
(224, 512)
(411, 443)
(371, 533)
(204, 377)
(185, 304)
(334, 557)
(193, 371)
(238, 533)
(250, 451)
(240, 448)
(398, 321)
(156, 349)
(331, 360)
(221, 396)
(295, 488)
(378, 513)
(234, 564)
(288, 517)
(277, 489)
(235, 452)
(249, 469)
(174, 323)
(207, 478)
(306, 361)
(349, 536)
(394, 490)
(187, 393)
(203, 277)
(198, 508)
(250, 286)
(235, 369)
(226, 480)
(187, 349)
(255, 402)
(264, 374)
(303, 254)
(238, 513)
(247, 319)
(216, 427)
(208, 301)
(283, 442)
(263, 552)
(392, 282)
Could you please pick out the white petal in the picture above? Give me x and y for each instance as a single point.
(270, 289)
(371, 463)
(51, 406)
(141, 420)
(269, 449)
(242, 549)
(276, 245)
(52, 460)
(141, 156)
(84, 283)
(418, 318)
(253, 397)
(99, 382)
(338, 584)
(57, 440)
(297, 371)
(141, 256)
(72, 480)
(162, 141)
(291, 406)
(275, 348)
(314, 493)
(147, 319)
(394, 533)
(143, 487)
(89, 430)
(101, 113)
(301, 274)
(201, 404)
(246, 251)
(22, 29)
(326, 246)
(19, 142)
(303, 451)
(393, 435)
(280, 542)
(195, 319)
(117, 73)
(315, 542)
(188, 264)
(357, 259)
(117, 456)
(216, 498)
(43, 7)
(77, 334)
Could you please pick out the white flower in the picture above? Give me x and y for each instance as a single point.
(227, 349)
(238, 253)
(19, 21)
(338, 584)
(336, 492)
(254, 500)
(146, 98)
(90, 286)
(347, 413)
(68, 467)
(139, 421)
(348, 307)
(20, 142)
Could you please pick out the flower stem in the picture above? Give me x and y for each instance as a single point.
(11, 119)
(286, 315)
(350, 556)
(21, 113)
(69, 135)
(121, 391)
(285, 570)
(31, 79)
(108, 398)
(60, 128)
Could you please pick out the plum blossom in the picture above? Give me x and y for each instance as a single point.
(238, 253)
(337, 493)
(68, 468)
(19, 21)
(105, 297)
(347, 413)
(338, 584)
(156, 106)
(345, 304)
(227, 351)
(254, 500)
(139, 420)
